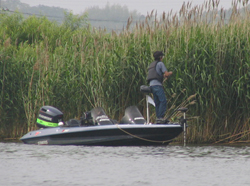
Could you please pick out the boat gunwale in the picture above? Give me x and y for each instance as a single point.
(64, 129)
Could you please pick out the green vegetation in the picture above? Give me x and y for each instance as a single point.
(75, 68)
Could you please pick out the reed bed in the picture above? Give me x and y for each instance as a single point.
(78, 68)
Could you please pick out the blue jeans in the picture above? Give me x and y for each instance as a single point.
(160, 100)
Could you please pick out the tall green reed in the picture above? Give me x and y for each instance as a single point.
(78, 69)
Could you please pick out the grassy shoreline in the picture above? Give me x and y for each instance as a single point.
(76, 69)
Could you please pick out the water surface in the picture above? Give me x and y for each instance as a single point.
(124, 166)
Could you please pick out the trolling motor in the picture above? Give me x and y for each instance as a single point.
(183, 122)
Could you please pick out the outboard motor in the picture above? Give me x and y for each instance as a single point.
(49, 117)
(132, 116)
(99, 117)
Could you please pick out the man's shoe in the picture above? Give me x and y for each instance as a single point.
(166, 121)
(161, 121)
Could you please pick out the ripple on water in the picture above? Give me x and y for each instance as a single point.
(83, 165)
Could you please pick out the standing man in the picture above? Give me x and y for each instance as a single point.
(157, 72)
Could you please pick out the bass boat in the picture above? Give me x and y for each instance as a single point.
(96, 128)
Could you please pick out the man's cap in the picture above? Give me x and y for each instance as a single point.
(158, 54)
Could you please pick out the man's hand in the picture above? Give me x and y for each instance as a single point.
(167, 74)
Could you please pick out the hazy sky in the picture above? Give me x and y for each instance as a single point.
(142, 6)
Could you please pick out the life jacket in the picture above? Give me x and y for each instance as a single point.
(152, 73)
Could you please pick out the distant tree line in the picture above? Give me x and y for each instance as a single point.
(53, 13)
(111, 17)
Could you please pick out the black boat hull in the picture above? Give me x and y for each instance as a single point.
(106, 135)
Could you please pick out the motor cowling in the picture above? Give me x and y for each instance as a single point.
(49, 117)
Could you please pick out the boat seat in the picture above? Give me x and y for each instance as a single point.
(145, 89)
(100, 117)
(73, 123)
(132, 116)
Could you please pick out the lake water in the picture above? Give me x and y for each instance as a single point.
(173, 165)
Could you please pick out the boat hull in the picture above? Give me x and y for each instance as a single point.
(106, 135)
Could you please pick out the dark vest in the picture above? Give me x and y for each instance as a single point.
(152, 73)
